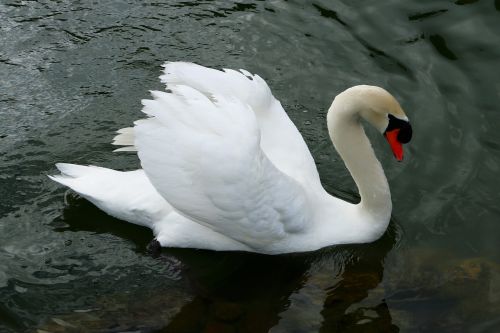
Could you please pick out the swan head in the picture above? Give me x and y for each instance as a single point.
(380, 109)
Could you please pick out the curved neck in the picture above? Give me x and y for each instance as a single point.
(351, 142)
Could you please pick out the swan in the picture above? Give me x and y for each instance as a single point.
(225, 169)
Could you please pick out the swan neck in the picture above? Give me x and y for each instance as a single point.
(351, 142)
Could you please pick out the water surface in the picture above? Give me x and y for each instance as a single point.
(72, 72)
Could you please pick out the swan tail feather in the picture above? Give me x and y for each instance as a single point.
(69, 170)
(80, 178)
(128, 196)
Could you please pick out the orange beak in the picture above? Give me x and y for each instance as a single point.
(396, 146)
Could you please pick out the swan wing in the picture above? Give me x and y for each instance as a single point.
(279, 136)
(203, 155)
(250, 89)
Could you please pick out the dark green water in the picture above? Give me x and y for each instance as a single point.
(72, 72)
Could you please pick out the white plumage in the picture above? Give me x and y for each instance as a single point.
(224, 168)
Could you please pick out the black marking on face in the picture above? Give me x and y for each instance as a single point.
(405, 131)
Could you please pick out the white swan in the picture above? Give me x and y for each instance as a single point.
(224, 168)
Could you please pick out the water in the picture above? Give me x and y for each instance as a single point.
(72, 72)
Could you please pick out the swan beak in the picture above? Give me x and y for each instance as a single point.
(396, 146)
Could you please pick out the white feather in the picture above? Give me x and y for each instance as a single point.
(211, 167)
(126, 138)
(224, 168)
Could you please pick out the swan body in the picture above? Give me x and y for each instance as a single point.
(224, 168)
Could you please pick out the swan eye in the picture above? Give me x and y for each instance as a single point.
(405, 131)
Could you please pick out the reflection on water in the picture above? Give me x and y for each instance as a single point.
(332, 289)
(73, 73)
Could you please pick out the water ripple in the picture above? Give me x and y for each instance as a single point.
(72, 74)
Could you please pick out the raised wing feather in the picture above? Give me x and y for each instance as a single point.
(280, 139)
(203, 155)
(248, 88)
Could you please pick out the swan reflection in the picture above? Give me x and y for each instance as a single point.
(337, 288)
